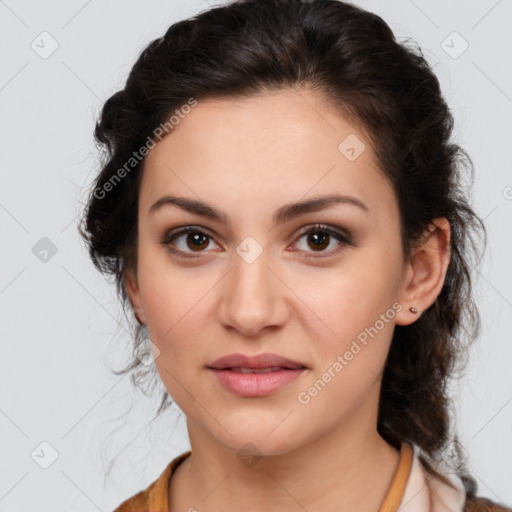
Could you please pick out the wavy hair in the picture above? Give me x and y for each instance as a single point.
(352, 58)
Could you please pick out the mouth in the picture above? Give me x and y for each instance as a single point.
(271, 369)
(255, 376)
(267, 362)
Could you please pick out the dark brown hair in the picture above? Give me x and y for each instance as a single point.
(351, 58)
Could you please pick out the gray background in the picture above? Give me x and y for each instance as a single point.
(61, 324)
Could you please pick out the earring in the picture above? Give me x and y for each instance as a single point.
(412, 309)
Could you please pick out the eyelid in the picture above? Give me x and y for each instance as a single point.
(170, 236)
(326, 228)
(343, 237)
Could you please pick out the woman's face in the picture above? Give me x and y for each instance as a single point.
(257, 283)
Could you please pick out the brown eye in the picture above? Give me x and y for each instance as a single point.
(196, 241)
(319, 238)
(187, 241)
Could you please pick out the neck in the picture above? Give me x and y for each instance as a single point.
(345, 476)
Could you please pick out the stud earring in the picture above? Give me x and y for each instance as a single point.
(412, 309)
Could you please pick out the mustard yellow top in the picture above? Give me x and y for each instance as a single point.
(405, 486)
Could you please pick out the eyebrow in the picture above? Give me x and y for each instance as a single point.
(281, 216)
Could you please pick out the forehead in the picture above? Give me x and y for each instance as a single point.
(275, 145)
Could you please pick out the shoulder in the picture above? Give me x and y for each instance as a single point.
(155, 497)
(140, 502)
(480, 504)
(443, 497)
(137, 503)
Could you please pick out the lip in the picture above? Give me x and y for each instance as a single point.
(260, 361)
(255, 384)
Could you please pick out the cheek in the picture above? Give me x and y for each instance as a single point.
(177, 324)
(174, 306)
(351, 353)
(168, 293)
(356, 306)
(351, 298)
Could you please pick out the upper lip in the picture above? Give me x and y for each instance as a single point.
(266, 360)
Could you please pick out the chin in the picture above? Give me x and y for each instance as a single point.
(261, 448)
(257, 442)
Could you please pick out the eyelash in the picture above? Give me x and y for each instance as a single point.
(343, 239)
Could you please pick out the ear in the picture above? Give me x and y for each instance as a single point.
(425, 272)
(132, 289)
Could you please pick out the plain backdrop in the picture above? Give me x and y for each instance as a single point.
(61, 325)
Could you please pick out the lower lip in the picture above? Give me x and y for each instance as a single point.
(255, 384)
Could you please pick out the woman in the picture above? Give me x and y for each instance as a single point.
(281, 207)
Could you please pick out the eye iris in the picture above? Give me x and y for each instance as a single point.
(195, 238)
(319, 240)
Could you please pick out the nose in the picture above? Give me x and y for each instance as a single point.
(253, 296)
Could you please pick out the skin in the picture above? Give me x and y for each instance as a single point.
(249, 157)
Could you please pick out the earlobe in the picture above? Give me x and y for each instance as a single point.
(425, 273)
(133, 292)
